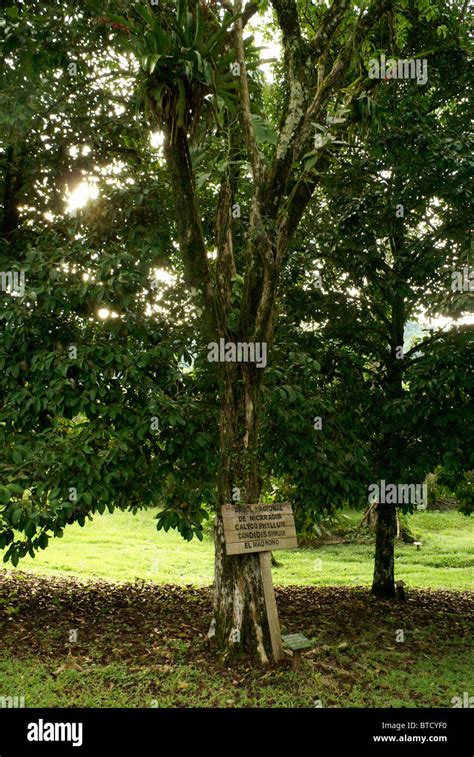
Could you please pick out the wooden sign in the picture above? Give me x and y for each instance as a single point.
(262, 528)
(258, 528)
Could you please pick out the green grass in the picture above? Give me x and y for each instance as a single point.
(144, 647)
(118, 685)
(123, 547)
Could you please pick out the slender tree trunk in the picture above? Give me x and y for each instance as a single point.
(383, 585)
(239, 621)
(393, 445)
(370, 521)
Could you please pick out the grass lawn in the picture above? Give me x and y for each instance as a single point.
(140, 602)
(123, 547)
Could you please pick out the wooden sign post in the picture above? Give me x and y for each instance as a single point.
(262, 528)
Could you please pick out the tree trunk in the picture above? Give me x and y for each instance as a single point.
(383, 585)
(239, 623)
(392, 444)
(369, 521)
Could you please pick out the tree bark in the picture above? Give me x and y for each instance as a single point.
(383, 585)
(239, 623)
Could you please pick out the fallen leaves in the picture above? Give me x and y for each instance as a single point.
(158, 629)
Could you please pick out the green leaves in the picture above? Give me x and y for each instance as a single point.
(187, 525)
(16, 516)
(310, 159)
(152, 61)
(183, 60)
(12, 12)
(215, 43)
(4, 495)
(264, 131)
(42, 540)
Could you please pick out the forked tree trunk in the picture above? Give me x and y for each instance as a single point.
(383, 585)
(239, 621)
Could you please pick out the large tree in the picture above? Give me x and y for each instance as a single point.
(238, 292)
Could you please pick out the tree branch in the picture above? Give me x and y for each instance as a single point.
(425, 343)
(300, 119)
(329, 23)
(326, 88)
(461, 19)
(288, 21)
(245, 111)
(188, 218)
(302, 192)
(250, 9)
(226, 268)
